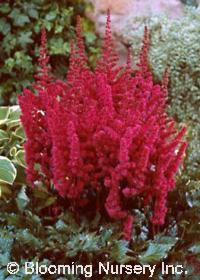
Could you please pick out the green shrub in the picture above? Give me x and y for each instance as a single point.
(176, 43)
(190, 2)
(20, 25)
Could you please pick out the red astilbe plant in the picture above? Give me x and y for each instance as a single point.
(102, 135)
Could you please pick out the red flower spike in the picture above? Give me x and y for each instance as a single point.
(103, 137)
(80, 42)
(42, 77)
(72, 64)
(165, 80)
(129, 58)
(128, 225)
(109, 60)
(144, 52)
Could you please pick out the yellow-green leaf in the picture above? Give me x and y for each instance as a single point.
(19, 132)
(20, 158)
(14, 116)
(13, 151)
(7, 171)
(3, 135)
(4, 113)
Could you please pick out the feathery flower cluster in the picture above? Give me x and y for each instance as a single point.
(102, 134)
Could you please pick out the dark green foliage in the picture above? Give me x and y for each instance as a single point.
(20, 25)
(31, 232)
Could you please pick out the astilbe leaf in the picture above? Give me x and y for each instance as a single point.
(103, 136)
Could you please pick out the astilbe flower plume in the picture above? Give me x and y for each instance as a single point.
(102, 133)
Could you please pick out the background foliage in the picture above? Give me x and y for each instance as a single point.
(175, 43)
(20, 25)
(190, 2)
